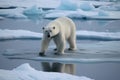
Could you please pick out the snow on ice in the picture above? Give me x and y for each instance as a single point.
(26, 72)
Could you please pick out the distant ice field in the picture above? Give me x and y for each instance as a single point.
(55, 9)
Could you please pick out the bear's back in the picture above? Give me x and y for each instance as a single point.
(66, 21)
(67, 26)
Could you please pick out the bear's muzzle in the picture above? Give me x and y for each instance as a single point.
(48, 36)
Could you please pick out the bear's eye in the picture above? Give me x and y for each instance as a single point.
(54, 27)
(50, 30)
(43, 28)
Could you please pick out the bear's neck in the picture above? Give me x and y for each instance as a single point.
(57, 35)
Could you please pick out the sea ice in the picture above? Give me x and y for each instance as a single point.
(86, 6)
(59, 13)
(102, 13)
(12, 13)
(26, 72)
(17, 16)
(67, 5)
(82, 9)
(26, 34)
(29, 3)
(72, 14)
(1, 18)
(112, 7)
(19, 34)
(98, 14)
(69, 8)
(33, 10)
(107, 36)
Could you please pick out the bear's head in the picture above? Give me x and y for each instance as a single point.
(51, 30)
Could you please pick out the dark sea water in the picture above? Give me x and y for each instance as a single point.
(97, 71)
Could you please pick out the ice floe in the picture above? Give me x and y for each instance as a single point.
(112, 7)
(33, 10)
(18, 34)
(1, 18)
(106, 36)
(67, 5)
(69, 8)
(13, 13)
(86, 6)
(84, 9)
(26, 72)
(84, 14)
(86, 35)
(29, 3)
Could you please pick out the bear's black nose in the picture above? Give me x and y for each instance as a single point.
(48, 35)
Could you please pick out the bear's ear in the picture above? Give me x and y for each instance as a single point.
(54, 27)
(43, 28)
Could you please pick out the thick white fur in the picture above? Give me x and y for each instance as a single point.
(64, 31)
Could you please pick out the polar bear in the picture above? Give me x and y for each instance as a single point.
(60, 30)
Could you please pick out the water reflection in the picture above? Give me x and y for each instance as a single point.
(58, 67)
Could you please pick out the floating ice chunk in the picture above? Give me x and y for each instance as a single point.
(13, 13)
(86, 6)
(18, 34)
(33, 10)
(1, 18)
(25, 34)
(67, 5)
(17, 16)
(73, 5)
(112, 7)
(26, 72)
(109, 15)
(102, 13)
(87, 13)
(24, 67)
(106, 36)
(58, 13)
(76, 15)
(72, 14)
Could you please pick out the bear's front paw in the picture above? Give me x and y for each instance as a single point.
(58, 53)
(41, 54)
(70, 49)
(55, 49)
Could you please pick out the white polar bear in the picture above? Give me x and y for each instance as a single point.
(60, 30)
